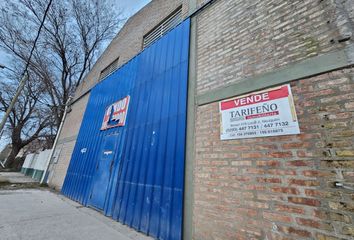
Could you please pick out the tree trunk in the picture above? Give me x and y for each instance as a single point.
(11, 158)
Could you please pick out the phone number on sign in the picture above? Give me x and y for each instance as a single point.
(258, 127)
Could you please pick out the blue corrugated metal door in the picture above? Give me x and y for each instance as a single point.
(103, 172)
(137, 178)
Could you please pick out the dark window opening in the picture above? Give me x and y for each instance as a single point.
(165, 26)
(109, 69)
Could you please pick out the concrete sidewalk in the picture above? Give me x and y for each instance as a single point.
(40, 214)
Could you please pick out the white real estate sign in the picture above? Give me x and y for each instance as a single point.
(261, 114)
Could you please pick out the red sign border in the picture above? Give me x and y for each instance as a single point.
(275, 93)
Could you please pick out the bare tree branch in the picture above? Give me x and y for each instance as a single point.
(71, 41)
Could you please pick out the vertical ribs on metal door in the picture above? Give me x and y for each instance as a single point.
(146, 185)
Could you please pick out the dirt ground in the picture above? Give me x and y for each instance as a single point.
(16, 180)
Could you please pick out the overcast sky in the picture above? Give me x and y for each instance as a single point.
(129, 7)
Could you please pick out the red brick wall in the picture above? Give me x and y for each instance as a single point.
(280, 187)
(240, 39)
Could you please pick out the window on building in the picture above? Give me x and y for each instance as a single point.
(166, 25)
(109, 69)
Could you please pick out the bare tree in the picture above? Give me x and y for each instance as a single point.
(70, 43)
(29, 119)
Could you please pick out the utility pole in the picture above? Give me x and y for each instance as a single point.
(12, 104)
(9, 109)
(24, 76)
(25, 73)
(2, 130)
(13, 101)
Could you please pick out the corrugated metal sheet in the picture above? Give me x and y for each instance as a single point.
(145, 187)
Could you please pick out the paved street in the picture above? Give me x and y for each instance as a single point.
(40, 214)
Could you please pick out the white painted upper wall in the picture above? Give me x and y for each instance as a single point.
(42, 159)
(28, 161)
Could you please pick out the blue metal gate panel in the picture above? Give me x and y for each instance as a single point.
(145, 190)
(103, 172)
